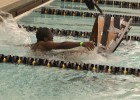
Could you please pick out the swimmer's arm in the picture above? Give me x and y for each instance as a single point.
(67, 45)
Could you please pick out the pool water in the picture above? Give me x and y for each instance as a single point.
(24, 82)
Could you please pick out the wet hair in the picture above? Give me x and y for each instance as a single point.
(41, 33)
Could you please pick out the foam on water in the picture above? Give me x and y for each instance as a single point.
(79, 54)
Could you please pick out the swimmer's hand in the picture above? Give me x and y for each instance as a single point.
(89, 45)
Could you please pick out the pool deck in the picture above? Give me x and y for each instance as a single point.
(7, 5)
(17, 7)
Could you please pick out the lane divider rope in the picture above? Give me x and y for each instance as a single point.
(80, 34)
(121, 4)
(69, 65)
(44, 10)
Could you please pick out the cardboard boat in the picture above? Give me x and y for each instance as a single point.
(108, 32)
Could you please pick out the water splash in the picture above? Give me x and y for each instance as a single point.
(10, 33)
(79, 54)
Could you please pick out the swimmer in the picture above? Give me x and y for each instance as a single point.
(45, 42)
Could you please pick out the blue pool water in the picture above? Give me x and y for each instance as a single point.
(24, 82)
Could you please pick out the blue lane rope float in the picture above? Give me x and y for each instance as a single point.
(80, 34)
(69, 65)
(121, 4)
(136, 19)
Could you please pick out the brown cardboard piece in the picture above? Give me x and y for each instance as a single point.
(114, 38)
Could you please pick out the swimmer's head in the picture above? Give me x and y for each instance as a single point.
(44, 34)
